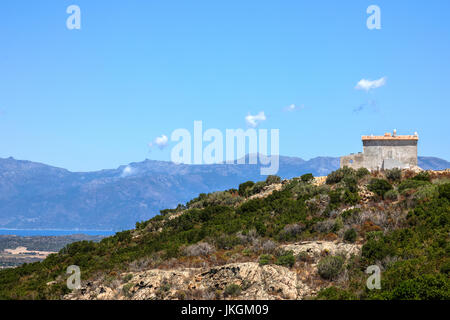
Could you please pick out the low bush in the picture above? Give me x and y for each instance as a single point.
(333, 293)
(444, 191)
(244, 187)
(307, 177)
(338, 224)
(411, 184)
(424, 287)
(350, 235)
(376, 248)
(268, 246)
(362, 172)
(272, 179)
(325, 226)
(199, 249)
(347, 214)
(379, 186)
(426, 192)
(330, 267)
(287, 259)
(291, 231)
(422, 176)
(126, 289)
(391, 195)
(232, 290)
(265, 259)
(339, 174)
(394, 175)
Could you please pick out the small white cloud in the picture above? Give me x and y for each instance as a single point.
(293, 107)
(127, 171)
(253, 121)
(365, 84)
(161, 142)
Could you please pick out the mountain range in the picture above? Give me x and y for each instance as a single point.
(38, 196)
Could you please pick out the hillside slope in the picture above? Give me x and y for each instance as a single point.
(293, 239)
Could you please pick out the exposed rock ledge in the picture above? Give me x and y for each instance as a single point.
(316, 249)
(257, 282)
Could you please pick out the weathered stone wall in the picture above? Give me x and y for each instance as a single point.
(375, 151)
(354, 161)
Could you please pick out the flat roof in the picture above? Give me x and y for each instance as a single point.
(390, 137)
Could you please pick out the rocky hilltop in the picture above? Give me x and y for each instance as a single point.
(300, 238)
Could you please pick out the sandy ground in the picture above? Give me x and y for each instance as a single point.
(20, 251)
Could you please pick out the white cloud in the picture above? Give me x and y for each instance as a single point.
(128, 171)
(253, 121)
(293, 107)
(365, 84)
(161, 142)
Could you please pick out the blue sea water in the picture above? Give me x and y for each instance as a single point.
(49, 232)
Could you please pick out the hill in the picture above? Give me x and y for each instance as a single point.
(302, 238)
(35, 195)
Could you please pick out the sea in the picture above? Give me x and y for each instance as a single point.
(54, 232)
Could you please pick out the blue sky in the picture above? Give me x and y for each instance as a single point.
(94, 98)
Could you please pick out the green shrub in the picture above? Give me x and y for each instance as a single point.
(391, 195)
(422, 176)
(335, 197)
(333, 293)
(287, 259)
(362, 172)
(272, 179)
(244, 187)
(445, 268)
(128, 277)
(350, 235)
(226, 242)
(349, 213)
(265, 259)
(411, 184)
(330, 267)
(379, 186)
(426, 192)
(350, 197)
(257, 188)
(394, 174)
(307, 177)
(232, 290)
(424, 287)
(444, 191)
(339, 174)
(351, 183)
(338, 224)
(376, 248)
(126, 289)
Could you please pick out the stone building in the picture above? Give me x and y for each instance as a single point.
(384, 152)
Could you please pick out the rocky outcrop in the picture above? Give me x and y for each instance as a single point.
(255, 282)
(267, 191)
(318, 249)
(260, 282)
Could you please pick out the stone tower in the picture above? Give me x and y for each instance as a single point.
(384, 152)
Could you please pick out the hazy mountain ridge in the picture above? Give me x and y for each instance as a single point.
(35, 195)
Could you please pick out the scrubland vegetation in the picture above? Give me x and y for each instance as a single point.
(401, 218)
